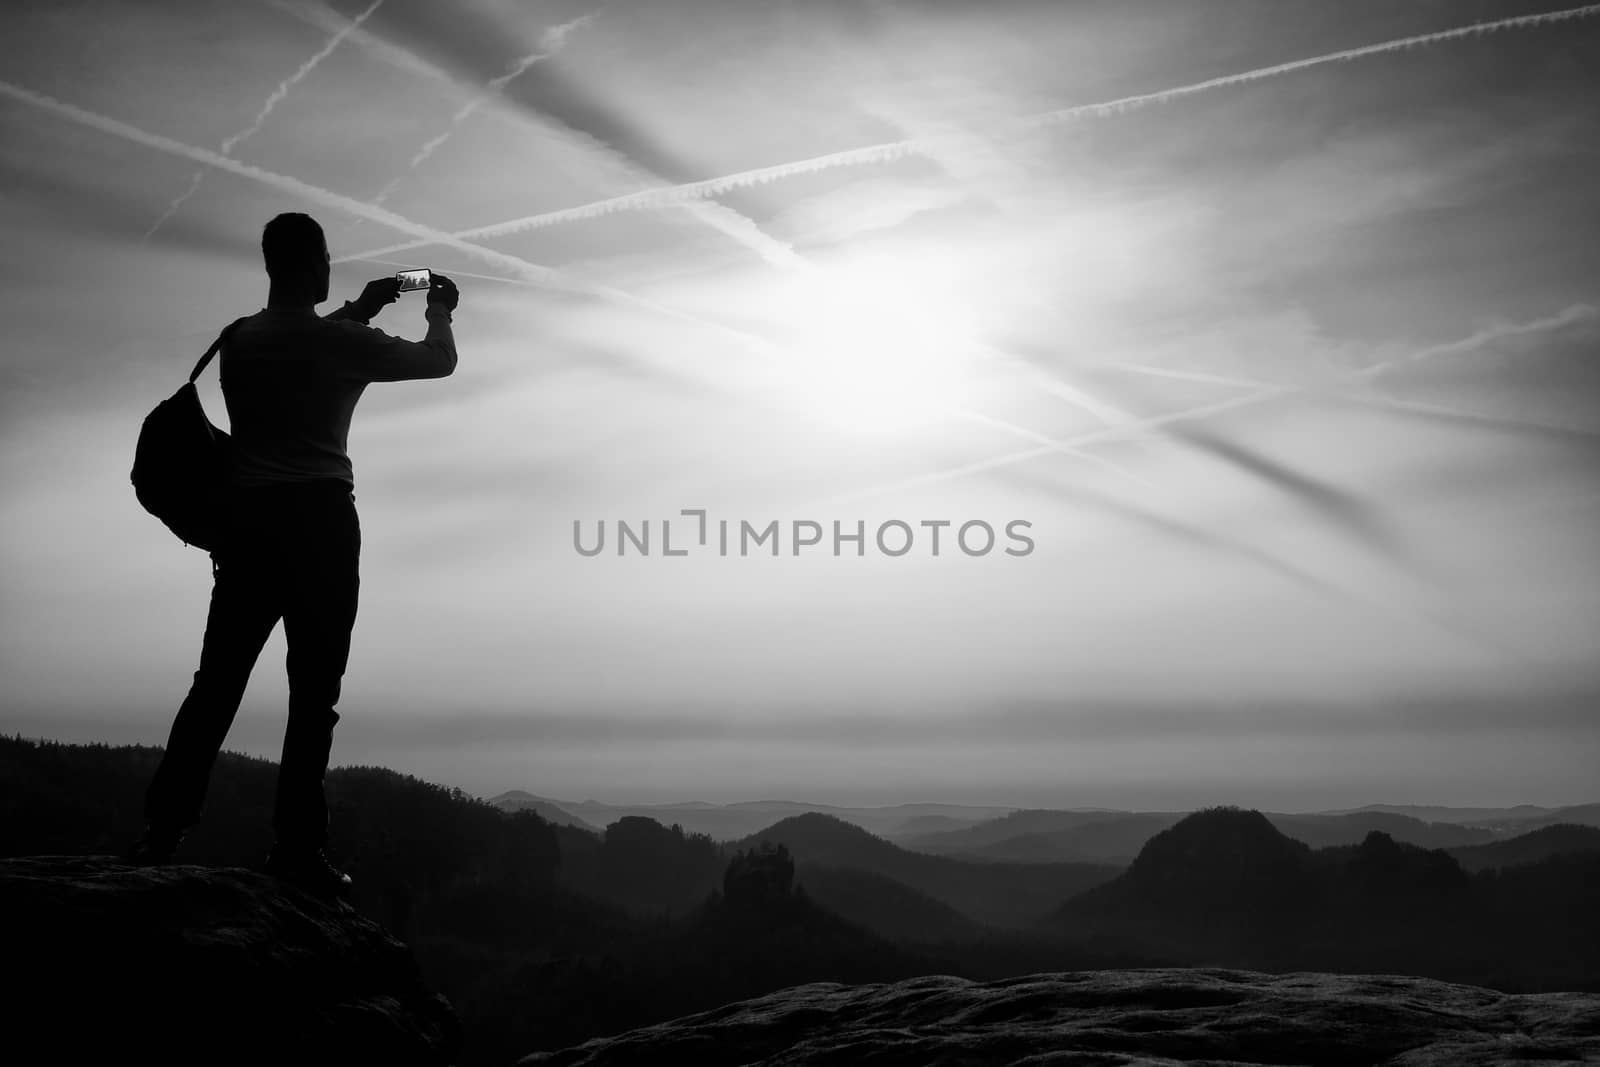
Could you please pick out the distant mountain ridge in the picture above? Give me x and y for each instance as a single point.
(1042, 835)
(548, 810)
(1068, 835)
(1444, 813)
(1326, 831)
(997, 894)
(730, 822)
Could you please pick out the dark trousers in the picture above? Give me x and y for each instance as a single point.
(289, 552)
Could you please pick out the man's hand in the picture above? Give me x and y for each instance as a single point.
(443, 291)
(379, 294)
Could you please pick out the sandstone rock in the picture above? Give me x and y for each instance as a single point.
(1112, 1018)
(110, 963)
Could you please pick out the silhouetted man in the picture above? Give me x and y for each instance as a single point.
(291, 540)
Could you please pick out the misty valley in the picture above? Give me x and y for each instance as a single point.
(546, 924)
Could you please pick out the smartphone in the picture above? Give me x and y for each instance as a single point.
(415, 279)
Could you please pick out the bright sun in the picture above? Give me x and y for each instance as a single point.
(880, 343)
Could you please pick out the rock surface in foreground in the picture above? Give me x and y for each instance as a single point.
(118, 964)
(1110, 1018)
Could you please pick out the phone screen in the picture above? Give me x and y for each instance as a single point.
(414, 279)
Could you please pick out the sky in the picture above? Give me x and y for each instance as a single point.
(1278, 380)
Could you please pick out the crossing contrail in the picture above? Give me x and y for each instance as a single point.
(533, 272)
(1568, 317)
(544, 276)
(667, 196)
(731, 224)
(738, 227)
(320, 15)
(782, 254)
(1065, 448)
(272, 101)
(294, 79)
(550, 42)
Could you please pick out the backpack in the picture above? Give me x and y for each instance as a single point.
(180, 463)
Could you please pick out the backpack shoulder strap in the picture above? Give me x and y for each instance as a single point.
(215, 346)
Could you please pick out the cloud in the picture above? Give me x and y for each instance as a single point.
(1550, 708)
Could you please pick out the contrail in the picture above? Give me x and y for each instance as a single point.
(1383, 402)
(1570, 316)
(692, 192)
(1399, 44)
(294, 79)
(738, 227)
(724, 220)
(272, 101)
(649, 199)
(1065, 448)
(324, 18)
(533, 272)
(550, 42)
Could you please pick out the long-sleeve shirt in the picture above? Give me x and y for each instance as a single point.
(291, 380)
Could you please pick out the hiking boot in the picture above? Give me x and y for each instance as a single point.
(310, 870)
(154, 849)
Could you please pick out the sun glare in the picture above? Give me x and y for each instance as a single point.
(880, 344)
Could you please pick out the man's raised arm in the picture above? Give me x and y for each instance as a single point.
(376, 356)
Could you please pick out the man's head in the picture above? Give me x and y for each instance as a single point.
(296, 253)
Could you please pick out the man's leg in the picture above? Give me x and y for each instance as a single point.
(318, 619)
(244, 609)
